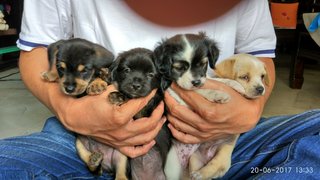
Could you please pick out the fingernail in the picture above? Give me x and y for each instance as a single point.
(163, 119)
(153, 143)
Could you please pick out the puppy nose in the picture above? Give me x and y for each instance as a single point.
(136, 86)
(70, 88)
(259, 89)
(196, 83)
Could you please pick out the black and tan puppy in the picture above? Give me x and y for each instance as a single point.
(81, 66)
(135, 75)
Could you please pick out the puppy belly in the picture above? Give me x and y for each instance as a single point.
(184, 151)
(109, 154)
(148, 166)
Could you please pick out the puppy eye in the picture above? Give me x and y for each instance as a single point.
(180, 66)
(126, 70)
(204, 62)
(244, 77)
(60, 67)
(262, 76)
(150, 75)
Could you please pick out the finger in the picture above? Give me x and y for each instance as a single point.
(196, 101)
(169, 100)
(146, 124)
(183, 113)
(135, 151)
(145, 138)
(182, 126)
(133, 106)
(183, 137)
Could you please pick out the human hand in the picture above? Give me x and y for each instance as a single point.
(205, 120)
(111, 124)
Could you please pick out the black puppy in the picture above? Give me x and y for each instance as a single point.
(81, 66)
(135, 75)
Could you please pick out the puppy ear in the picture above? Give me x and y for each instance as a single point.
(266, 78)
(225, 69)
(213, 52)
(52, 51)
(113, 69)
(104, 57)
(163, 58)
(165, 83)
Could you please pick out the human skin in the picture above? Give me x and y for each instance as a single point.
(208, 120)
(93, 115)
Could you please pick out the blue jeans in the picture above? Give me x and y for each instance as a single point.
(282, 147)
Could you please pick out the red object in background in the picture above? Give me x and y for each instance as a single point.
(284, 15)
(178, 13)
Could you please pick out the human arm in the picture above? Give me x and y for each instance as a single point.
(208, 120)
(92, 115)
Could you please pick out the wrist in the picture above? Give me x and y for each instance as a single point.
(58, 103)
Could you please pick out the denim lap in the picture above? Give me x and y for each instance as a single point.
(49, 154)
(279, 147)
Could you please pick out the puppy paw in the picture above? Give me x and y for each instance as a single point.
(214, 173)
(121, 178)
(214, 95)
(236, 86)
(221, 98)
(94, 163)
(97, 87)
(49, 76)
(104, 73)
(232, 83)
(195, 176)
(216, 168)
(116, 98)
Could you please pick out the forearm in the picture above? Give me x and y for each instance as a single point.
(31, 64)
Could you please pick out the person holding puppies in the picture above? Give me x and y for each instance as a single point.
(267, 146)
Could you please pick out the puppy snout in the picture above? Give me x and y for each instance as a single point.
(259, 89)
(196, 83)
(136, 86)
(70, 88)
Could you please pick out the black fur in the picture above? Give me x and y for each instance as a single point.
(75, 52)
(137, 68)
(166, 55)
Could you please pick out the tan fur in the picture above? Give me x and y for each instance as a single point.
(225, 69)
(217, 166)
(80, 67)
(121, 168)
(50, 76)
(92, 159)
(97, 87)
(245, 69)
(241, 69)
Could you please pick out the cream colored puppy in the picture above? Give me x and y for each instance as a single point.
(251, 74)
(247, 70)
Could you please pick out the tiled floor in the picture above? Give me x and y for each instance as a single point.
(21, 113)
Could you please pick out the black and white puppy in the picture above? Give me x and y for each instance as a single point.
(184, 59)
(135, 75)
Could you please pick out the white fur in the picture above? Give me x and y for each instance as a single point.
(176, 97)
(173, 169)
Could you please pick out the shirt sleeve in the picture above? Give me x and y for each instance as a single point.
(255, 32)
(44, 22)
